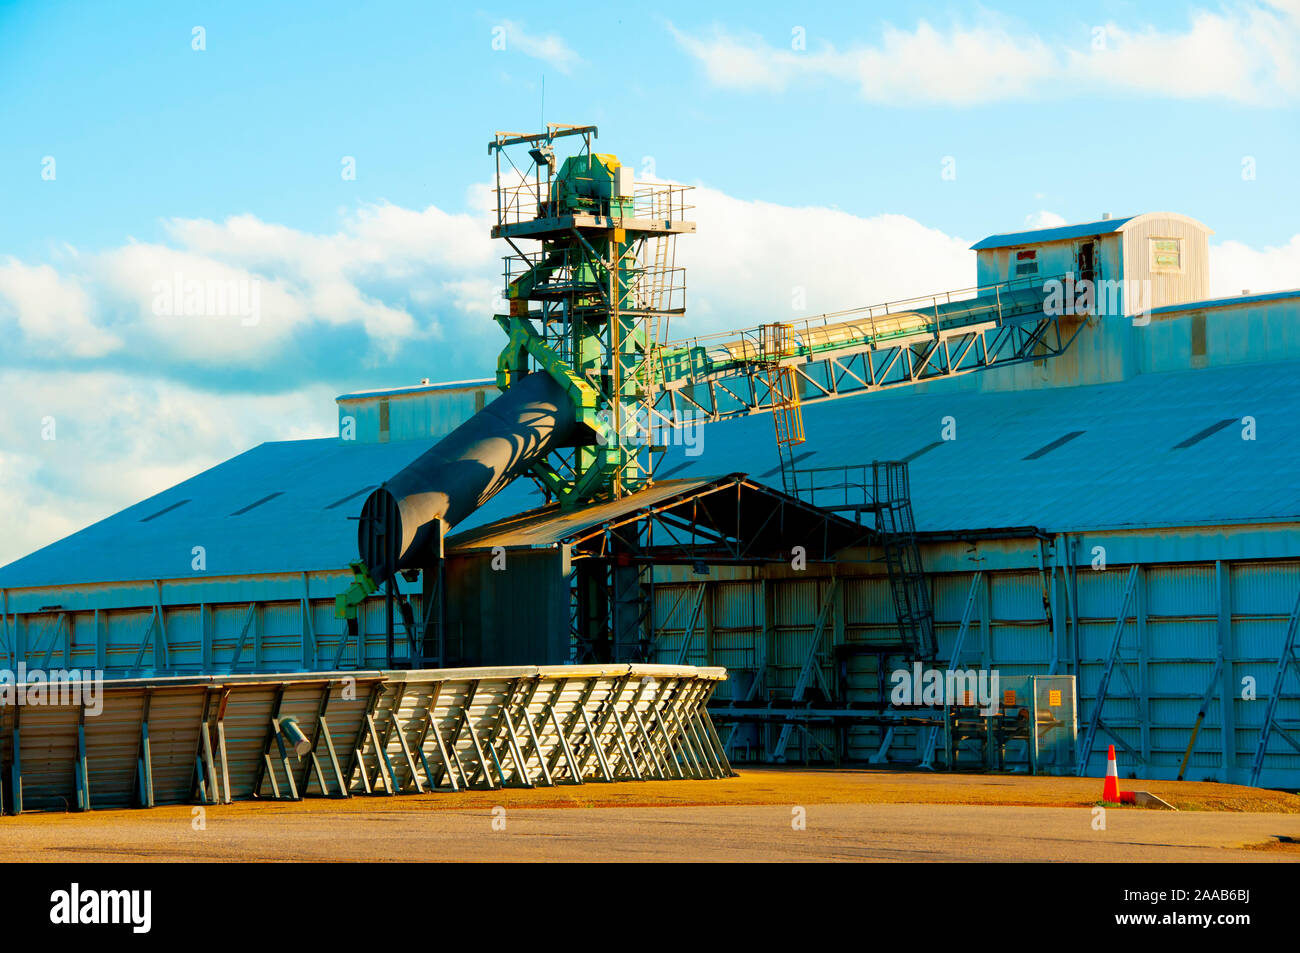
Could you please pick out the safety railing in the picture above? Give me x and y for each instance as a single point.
(524, 199)
(929, 314)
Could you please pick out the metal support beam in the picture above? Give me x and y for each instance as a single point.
(691, 622)
(1095, 720)
(83, 763)
(954, 660)
(1210, 692)
(357, 760)
(269, 738)
(144, 760)
(1286, 658)
(383, 765)
(811, 667)
(565, 750)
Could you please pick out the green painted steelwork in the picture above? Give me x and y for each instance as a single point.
(586, 307)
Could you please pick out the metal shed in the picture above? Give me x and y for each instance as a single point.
(1136, 511)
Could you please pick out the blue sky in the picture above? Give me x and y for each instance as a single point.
(146, 128)
(816, 138)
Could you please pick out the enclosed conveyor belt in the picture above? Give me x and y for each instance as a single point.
(401, 520)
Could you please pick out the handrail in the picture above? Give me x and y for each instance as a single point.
(871, 312)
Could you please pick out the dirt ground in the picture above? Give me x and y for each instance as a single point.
(868, 814)
(787, 785)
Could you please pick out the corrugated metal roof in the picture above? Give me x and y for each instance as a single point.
(747, 507)
(552, 525)
(1060, 233)
(1122, 470)
(314, 487)
(1228, 301)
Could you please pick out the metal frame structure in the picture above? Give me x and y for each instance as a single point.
(896, 344)
(1021, 603)
(611, 549)
(1113, 660)
(1286, 731)
(591, 305)
(224, 739)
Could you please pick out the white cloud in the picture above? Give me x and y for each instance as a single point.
(389, 276)
(422, 281)
(962, 66)
(1044, 219)
(548, 47)
(119, 439)
(1249, 53)
(52, 313)
(755, 262)
(1236, 267)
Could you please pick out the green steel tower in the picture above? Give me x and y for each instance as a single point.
(591, 283)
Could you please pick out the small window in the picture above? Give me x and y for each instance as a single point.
(1167, 254)
(1027, 262)
(1086, 261)
(1198, 334)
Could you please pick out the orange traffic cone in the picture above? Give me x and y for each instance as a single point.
(1110, 790)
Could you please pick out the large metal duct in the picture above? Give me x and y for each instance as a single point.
(401, 521)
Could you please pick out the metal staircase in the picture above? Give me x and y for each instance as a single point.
(907, 581)
(883, 488)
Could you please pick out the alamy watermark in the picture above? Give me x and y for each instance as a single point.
(78, 905)
(642, 429)
(936, 688)
(1105, 297)
(209, 298)
(55, 688)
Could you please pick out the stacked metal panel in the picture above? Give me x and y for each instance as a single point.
(217, 739)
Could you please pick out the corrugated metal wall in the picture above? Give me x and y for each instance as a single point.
(276, 630)
(761, 630)
(1190, 281)
(1022, 624)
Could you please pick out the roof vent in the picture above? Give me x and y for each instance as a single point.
(165, 509)
(1105, 216)
(257, 503)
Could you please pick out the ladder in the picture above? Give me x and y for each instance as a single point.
(907, 580)
(652, 287)
(787, 411)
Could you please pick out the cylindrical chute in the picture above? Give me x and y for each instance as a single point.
(401, 520)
